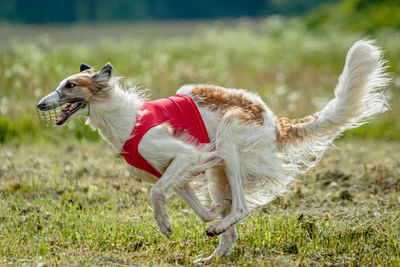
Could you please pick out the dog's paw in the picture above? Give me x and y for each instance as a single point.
(220, 227)
(165, 226)
(212, 230)
(166, 229)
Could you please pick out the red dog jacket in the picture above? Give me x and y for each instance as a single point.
(179, 111)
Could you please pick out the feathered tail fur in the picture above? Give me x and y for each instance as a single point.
(358, 95)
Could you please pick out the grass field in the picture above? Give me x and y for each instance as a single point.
(66, 199)
(73, 204)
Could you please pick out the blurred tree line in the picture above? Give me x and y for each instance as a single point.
(70, 11)
(357, 15)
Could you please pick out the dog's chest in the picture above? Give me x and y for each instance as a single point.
(179, 112)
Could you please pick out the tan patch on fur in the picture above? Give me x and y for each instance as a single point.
(223, 101)
(86, 87)
(85, 79)
(287, 129)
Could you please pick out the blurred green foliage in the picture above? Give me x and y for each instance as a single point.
(294, 67)
(368, 16)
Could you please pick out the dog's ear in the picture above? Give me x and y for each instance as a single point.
(84, 67)
(104, 74)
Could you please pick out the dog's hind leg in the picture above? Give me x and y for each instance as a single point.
(239, 208)
(226, 242)
(207, 215)
(219, 190)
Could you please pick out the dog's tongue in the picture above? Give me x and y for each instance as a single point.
(66, 112)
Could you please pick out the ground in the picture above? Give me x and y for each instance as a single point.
(72, 203)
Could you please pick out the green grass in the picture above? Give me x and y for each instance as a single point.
(73, 204)
(292, 68)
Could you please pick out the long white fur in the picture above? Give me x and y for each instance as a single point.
(359, 95)
(245, 166)
(115, 118)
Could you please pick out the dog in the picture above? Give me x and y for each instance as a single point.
(248, 156)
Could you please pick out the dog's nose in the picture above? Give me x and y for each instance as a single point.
(42, 105)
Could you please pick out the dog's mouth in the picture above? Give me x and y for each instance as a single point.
(68, 110)
(58, 114)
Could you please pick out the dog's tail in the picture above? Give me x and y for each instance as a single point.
(358, 95)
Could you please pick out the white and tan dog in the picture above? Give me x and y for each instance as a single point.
(252, 155)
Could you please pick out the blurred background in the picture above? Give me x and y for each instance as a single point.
(288, 51)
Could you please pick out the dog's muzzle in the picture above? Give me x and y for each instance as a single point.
(55, 115)
(48, 117)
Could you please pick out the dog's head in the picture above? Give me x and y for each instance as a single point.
(76, 91)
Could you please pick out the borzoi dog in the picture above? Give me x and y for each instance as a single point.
(227, 138)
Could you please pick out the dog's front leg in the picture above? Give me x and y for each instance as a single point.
(169, 179)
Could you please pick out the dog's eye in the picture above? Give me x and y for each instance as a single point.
(69, 85)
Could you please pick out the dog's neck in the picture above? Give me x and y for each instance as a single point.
(115, 117)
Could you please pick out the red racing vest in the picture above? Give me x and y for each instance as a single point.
(179, 111)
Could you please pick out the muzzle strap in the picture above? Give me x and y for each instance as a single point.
(88, 101)
(88, 108)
